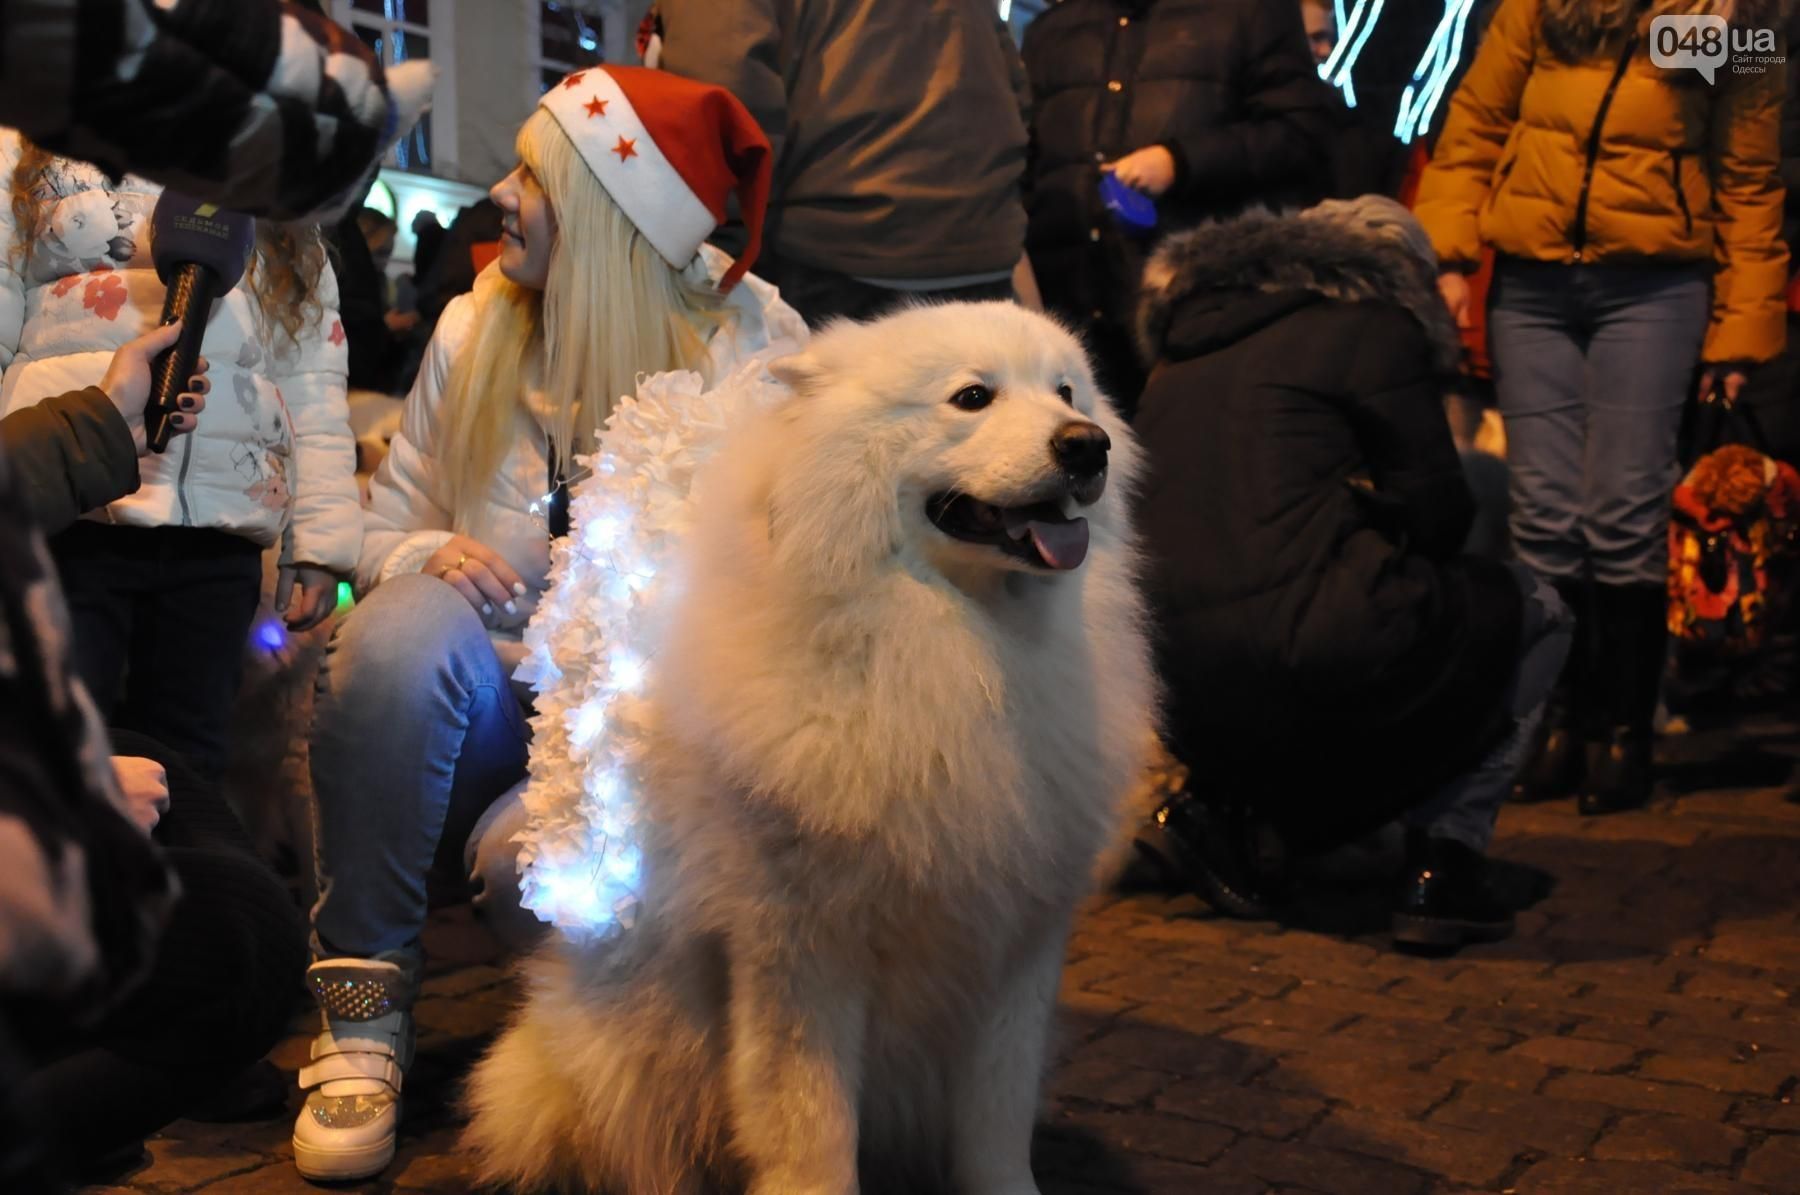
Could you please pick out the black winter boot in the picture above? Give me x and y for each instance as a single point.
(1631, 634)
(1214, 847)
(1446, 897)
(1558, 757)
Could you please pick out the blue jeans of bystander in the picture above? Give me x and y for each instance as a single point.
(1467, 807)
(1592, 367)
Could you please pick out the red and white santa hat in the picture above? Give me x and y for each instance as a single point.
(670, 151)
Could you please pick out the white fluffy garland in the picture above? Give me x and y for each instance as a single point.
(594, 637)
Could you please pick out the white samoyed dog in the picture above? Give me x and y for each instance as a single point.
(906, 690)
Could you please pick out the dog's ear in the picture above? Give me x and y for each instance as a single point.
(800, 372)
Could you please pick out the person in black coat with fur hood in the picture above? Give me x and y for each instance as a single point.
(1333, 661)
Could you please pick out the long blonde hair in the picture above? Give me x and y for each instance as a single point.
(611, 309)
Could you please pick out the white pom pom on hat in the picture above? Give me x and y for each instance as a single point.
(670, 152)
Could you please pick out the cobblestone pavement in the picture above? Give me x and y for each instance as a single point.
(1640, 1035)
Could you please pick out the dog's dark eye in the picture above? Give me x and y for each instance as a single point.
(971, 398)
(1067, 392)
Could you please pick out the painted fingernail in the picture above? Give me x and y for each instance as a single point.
(187, 402)
(487, 608)
(518, 589)
(512, 607)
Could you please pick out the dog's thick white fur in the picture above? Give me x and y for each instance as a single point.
(885, 762)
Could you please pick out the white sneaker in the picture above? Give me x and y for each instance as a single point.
(347, 1126)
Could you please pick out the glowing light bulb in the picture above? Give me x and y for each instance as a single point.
(573, 893)
(623, 867)
(627, 672)
(271, 635)
(602, 535)
(590, 720)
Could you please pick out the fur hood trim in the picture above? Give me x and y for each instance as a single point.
(1274, 253)
(1576, 30)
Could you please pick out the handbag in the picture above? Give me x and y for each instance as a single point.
(1734, 539)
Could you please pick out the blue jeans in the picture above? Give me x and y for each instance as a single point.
(1592, 367)
(1467, 808)
(418, 747)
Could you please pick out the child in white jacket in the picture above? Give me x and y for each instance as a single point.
(163, 584)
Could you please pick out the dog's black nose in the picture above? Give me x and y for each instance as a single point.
(1081, 448)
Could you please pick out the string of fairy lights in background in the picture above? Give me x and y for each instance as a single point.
(1437, 66)
(1419, 102)
(1354, 29)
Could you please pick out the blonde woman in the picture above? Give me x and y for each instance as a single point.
(602, 277)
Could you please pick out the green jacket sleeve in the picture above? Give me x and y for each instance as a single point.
(71, 454)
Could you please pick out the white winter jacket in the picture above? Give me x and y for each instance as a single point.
(408, 516)
(273, 449)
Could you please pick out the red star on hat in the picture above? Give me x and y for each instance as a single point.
(695, 147)
(574, 80)
(597, 106)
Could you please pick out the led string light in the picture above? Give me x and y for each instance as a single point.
(593, 639)
(1419, 102)
(1354, 31)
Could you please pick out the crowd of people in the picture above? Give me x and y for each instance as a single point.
(1171, 178)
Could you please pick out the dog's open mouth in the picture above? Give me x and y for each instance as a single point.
(1039, 534)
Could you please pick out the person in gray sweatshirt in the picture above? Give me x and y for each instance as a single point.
(900, 139)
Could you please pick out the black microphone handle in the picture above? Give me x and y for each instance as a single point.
(190, 300)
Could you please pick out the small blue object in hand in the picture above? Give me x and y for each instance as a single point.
(1134, 210)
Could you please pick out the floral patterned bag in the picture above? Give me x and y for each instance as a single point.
(1734, 539)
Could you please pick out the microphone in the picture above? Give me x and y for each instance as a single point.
(200, 253)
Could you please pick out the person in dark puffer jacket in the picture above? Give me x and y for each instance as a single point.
(1333, 662)
(1207, 105)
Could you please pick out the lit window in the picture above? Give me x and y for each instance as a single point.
(567, 40)
(402, 31)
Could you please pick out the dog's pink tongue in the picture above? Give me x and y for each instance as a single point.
(1062, 545)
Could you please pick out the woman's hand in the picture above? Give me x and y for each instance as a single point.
(317, 595)
(127, 383)
(1723, 382)
(477, 572)
(146, 788)
(1151, 170)
(1454, 286)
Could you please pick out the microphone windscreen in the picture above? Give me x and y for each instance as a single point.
(185, 231)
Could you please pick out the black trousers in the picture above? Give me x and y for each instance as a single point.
(227, 977)
(161, 619)
(820, 295)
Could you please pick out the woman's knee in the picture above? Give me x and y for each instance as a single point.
(400, 637)
(492, 860)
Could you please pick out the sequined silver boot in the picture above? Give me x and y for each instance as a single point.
(346, 1127)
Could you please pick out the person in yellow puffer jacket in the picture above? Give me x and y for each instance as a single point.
(1635, 214)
